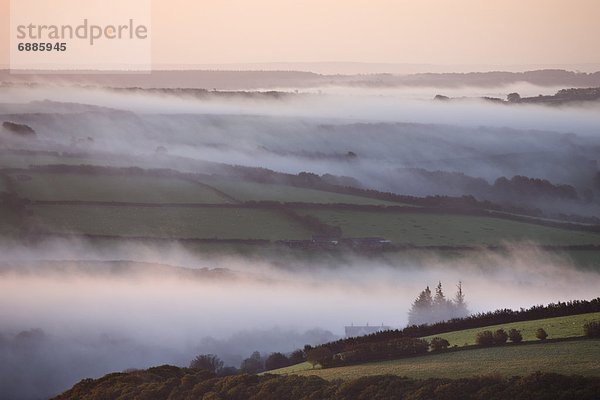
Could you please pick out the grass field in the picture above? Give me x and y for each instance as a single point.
(252, 191)
(580, 357)
(180, 222)
(14, 160)
(447, 230)
(82, 187)
(119, 188)
(559, 327)
(8, 160)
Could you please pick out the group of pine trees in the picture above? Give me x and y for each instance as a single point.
(429, 308)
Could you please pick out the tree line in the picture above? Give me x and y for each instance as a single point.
(254, 364)
(503, 316)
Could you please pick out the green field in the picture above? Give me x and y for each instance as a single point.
(52, 186)
(580, 357)
(559, 327)
(117, 188)
(15, 160)
(447, 230)
(179, 222)
(11, 160)
(252, 191)
(418, 229)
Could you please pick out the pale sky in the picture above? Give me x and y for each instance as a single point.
(446, 32)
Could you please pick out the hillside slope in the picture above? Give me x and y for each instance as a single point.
(580, 357)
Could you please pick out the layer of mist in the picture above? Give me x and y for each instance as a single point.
(72, 310)
(382, 141)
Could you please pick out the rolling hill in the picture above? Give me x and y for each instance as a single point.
(567, 354)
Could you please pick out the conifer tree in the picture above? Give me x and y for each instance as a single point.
(460, 305)
(421, 308)
(440, 299)
(427, 309)
(459, 299)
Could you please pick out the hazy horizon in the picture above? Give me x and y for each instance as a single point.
(362, 68)
(418, 33)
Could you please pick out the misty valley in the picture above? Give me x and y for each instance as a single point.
(299, 236)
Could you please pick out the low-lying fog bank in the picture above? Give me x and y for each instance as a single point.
(386, 142)
(64, 319)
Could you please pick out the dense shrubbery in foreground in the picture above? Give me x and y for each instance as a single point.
(172, 383)
(355, 353)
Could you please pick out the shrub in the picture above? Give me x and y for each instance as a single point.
(275, 361)
(253, 365)
(319, 355)
(515, 336)
(592, 329)
(388, 350)
(541, 334)
(209, 362)
(438, 343)
(485, 338)
(500, 336)
(297, 356)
